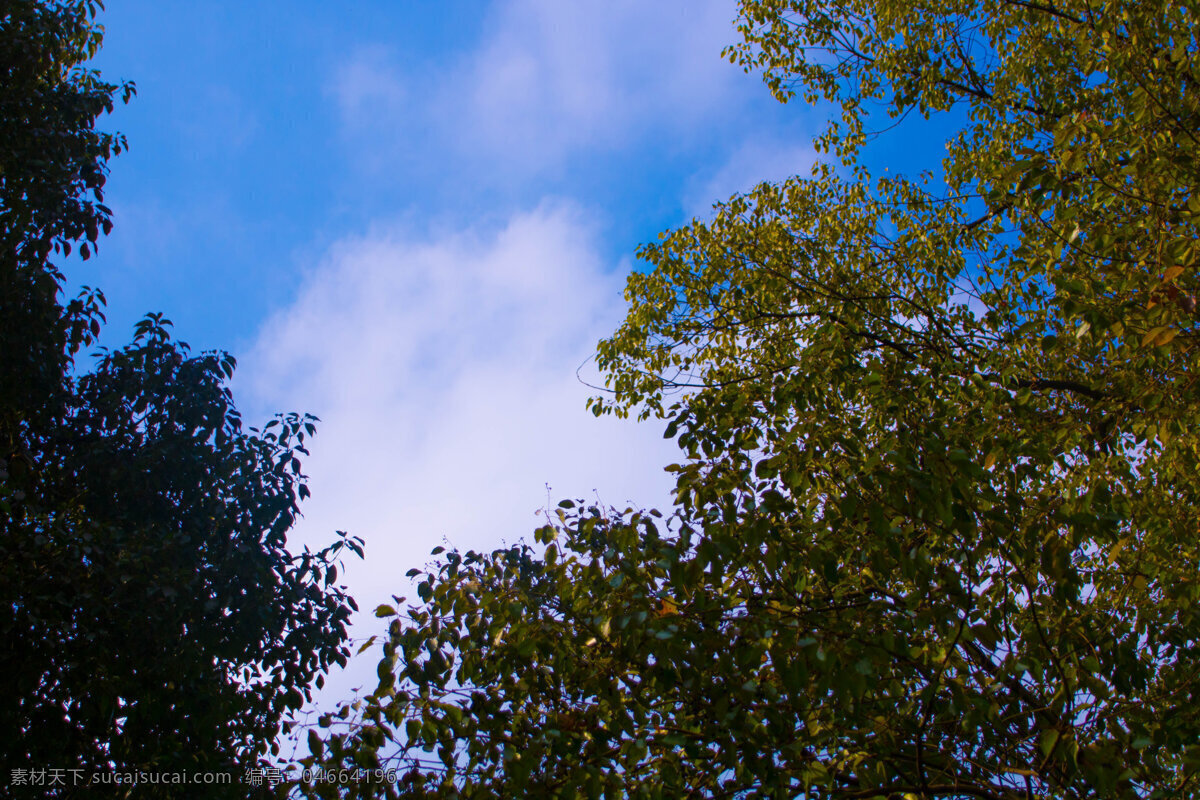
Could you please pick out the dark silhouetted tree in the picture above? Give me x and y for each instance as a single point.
(153, 618)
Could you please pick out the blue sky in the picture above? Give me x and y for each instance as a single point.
(414, 220)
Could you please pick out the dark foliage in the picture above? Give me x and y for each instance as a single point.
(154, 619)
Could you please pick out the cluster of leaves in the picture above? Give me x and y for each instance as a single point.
(935, 529)
(52, 176)
(154, 618)
(158, 620)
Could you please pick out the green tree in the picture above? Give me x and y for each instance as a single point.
(154, 619)
(935, 530)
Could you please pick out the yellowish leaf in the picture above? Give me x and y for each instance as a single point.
(1172, 273)
(1165, 337)
(1152, 335)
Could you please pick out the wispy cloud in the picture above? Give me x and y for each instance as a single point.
(755, 161)
(552, 79)
(444, 369)
(556, 76)
(368, 87)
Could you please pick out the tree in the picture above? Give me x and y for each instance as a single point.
(52, 175)
(155, 620)
(934, 530)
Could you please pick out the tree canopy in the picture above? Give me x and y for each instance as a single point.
(154, 618)
(52, 175)
(934, 532)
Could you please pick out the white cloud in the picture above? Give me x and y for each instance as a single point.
(551, 79)
(443, 369)
(556, 76)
